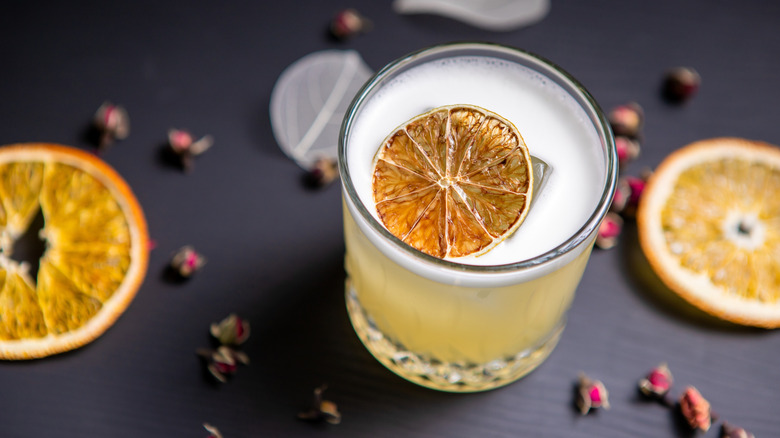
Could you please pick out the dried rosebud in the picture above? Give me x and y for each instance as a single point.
(182, 141)
(231, 330)
(184, 145)
(636, 187)
(179, 140)
(657, 382)
(627, 120)
(695, 409)
(681, 83)
(348, 23)
(609, 231)
(622, 194)
(187, 261)
(627, 150)
(323, 172)
(322, 409)
(729, 431)
(112, 123)
(213, 431)
(591, 394)
(223, 361)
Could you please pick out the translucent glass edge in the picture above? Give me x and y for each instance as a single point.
(592, 109)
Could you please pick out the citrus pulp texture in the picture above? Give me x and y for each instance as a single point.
(709, 224)
(454, 181)
(96, 249)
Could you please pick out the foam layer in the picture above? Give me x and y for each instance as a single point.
(551, 122)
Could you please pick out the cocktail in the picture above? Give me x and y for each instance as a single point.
(472, 322)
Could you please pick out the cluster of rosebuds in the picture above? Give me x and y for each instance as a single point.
(626, 121)
(696, 410)
(321, 409)
(223, 362)
(656, 385)
(112, 123)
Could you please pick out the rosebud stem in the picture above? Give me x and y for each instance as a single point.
(105, 140)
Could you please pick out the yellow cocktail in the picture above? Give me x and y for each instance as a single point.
(477, 322)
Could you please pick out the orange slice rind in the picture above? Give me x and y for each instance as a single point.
(709, 224)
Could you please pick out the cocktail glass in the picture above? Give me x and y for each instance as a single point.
(452, 325)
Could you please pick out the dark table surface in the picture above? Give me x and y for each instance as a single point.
(274, 246)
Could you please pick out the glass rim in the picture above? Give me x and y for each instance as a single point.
(589, 104)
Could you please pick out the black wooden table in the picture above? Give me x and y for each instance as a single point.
(274, 246)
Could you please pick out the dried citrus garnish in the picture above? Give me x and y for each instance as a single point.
(96, 253)
(454, 181)
(709, 224)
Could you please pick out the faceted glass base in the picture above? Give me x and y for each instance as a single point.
(434, 374)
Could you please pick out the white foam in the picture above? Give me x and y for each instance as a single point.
(553, 125)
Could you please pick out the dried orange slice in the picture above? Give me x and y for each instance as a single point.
(96, 252)
(709, 224)
(454, 181)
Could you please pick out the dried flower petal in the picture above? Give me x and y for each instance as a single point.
(592, 394)
(729, 431)
(232, 330)
(627, 120)
(112, 123)
(348, 23)
(223, 361)
(696, 409)
(213, 431)
(609, 231)
(657, 382)
(322, 410)
(187, 261)
(681, 83)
